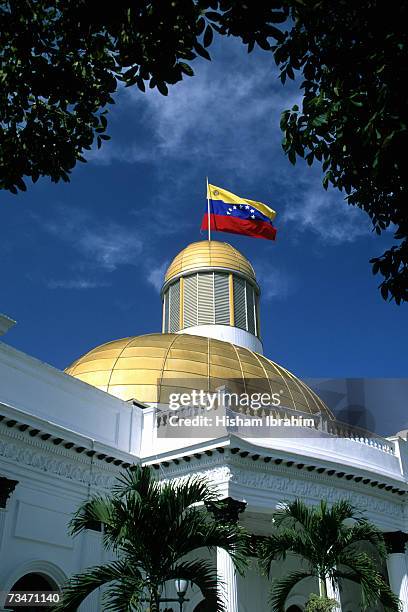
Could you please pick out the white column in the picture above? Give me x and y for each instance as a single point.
(397, 565)
(397, 575)
(227, 581)
(91, 555)
(333, 593)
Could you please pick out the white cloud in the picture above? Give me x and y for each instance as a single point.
(276, 284)
(326, 214)
(111, 246)
(156, 275)
(103, 246)
(78, 283)
(165, 221)
(103, 243)
(224, 120)
(228, 113)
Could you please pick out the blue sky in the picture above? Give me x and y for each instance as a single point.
(82, 262)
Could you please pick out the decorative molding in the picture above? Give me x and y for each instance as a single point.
(45, 457)
(217, 472)
(291, 487)
(284, 483)
(298, 468)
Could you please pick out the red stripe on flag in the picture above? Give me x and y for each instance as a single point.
(234, 225)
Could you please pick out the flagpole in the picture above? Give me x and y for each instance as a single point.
(208, 212)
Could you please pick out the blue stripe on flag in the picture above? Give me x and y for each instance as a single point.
(239, 211)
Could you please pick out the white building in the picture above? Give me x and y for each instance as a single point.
(65, 435)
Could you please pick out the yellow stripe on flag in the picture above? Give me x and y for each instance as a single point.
(216, 193)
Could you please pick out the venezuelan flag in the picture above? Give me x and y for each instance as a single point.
(231, 213)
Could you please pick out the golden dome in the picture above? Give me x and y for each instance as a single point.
(147, 367)
(209, 254)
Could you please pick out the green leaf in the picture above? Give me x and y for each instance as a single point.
(213, 16)
(200, 26)
(208, 36)
(292, 156)
(186, 69)
(201, 51)
(140, 83)
(162, 87)
(384, 291)
(21, 184)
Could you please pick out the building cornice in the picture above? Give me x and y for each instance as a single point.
(14, 420)
(259, 459)
(54, 451)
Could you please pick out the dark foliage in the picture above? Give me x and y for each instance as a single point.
(62, 61)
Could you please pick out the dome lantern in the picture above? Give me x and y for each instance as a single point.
(210, 290)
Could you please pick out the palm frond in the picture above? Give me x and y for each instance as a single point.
(282, 588)
(138, 479)
(96, 510)
(197, 530)
(343, 509)
(204, 575)
(366, 533)
(125, 595)
(177, 496)
(81, 585)
(277, 545)
(295, 514)
(359, 567)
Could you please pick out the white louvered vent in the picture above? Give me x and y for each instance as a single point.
(190, 300)
(174, 307)
(250, 298)
(239, 303)
(206, 298)
(221, 287)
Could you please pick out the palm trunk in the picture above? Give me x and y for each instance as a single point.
(154, 601)
(322, 586)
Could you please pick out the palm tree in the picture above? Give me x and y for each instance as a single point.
(335, 544)
(152, 527)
